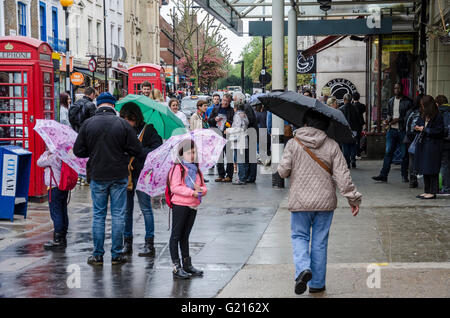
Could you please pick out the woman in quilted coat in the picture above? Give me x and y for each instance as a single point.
(312, 197)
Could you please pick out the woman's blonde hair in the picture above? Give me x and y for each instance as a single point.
(157, 95)
(331, 100)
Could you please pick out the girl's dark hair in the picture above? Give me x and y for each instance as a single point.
(316, 120)
(416, 102)
(173, 100)
(64, 100)
(200, 103)
(187, 144)
(429, 107)
(132, 112)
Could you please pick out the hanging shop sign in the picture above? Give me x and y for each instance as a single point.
(306, 66)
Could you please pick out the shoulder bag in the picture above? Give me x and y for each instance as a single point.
(314, 157)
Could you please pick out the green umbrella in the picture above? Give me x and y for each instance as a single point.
(160, 116)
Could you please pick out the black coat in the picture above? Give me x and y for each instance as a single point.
(405, 105)
(215, 112)
(427, 158)
(150, 141)
(109, 142)
(361, 110)
(352, 116)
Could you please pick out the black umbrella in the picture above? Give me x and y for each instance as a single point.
(292, 107)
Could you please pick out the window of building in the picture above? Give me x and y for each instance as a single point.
(22, 18)
(43, 21)
(55, 28)
(99, 36)
(90, 48)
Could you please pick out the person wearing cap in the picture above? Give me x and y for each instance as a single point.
(108, 141)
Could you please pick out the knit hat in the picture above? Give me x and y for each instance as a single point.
(106, 98)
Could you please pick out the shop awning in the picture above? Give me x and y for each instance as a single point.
(329, 41)
(121, 71)
(98, 75)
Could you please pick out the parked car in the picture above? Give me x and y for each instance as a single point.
(189, 104)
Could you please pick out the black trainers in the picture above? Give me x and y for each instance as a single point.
(95, 260)
(301, 281)
(119, 260)
(380, 178)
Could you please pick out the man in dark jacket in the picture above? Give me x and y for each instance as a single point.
(82, 109)
(150, 141)
(108, 141)
(352, 116)
(361, 110)
(398, 106)
(220, 117)
(444, 108)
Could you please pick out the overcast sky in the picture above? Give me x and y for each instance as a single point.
(235, 43)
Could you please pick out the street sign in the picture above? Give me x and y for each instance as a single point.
(265, 77)
(92, 65)
(77, 79)
(101, 62)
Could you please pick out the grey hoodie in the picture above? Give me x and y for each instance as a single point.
(311, 187)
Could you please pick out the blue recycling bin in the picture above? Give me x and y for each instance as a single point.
(15, 169)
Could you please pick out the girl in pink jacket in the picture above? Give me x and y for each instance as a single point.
(57, 202)
(187, 186)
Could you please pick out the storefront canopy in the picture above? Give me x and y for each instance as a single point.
(99, 76)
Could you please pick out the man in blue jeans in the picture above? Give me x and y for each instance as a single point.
(108, 141)
(398, 106)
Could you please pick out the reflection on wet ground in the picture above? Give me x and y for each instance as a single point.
(226, 231)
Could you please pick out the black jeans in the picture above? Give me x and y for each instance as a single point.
(431, 182)
(58, 210)
(183, 218)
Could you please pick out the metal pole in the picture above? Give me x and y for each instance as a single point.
(263, 62)
(292, 50)
(68, 84)
(173, 53)
(277, 85)
(106, 59)
(242, 77)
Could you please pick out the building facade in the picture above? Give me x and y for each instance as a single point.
(143, 31)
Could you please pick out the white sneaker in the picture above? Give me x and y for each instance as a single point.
(357, 158)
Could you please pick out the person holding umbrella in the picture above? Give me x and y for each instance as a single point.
(186, 183)
(150, 140)
(316, 165)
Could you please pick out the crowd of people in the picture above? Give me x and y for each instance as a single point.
(117, 145)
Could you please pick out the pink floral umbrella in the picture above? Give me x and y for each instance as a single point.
(60, 139)
(153, 177)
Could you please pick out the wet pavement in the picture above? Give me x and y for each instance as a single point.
(241, 239)
(228, 227)
(405, 239)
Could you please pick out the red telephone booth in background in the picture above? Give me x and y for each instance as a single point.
(152, 73)
(26, 94)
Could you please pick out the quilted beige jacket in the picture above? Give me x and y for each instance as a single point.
(311, 187)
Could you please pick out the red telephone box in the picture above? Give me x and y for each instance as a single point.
(26, 94)
(152, 73)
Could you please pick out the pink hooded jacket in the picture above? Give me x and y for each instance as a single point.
(311, 187)
(182, 194)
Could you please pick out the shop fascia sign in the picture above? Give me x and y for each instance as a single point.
(12, 55)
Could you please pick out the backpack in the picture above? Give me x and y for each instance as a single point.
(169, 193)
(68, 179)
(77, 114)
(411, 121)
(446, 116)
